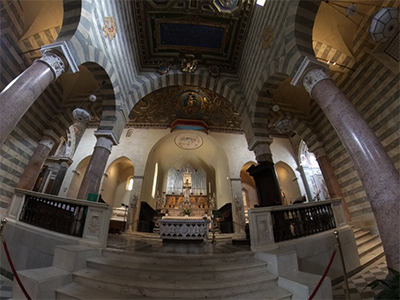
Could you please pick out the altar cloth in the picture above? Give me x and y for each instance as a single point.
(184, 229)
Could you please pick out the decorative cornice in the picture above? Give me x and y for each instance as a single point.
(107, 134)
(261, 148)
(259, 140)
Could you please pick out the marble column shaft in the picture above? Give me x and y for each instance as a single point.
(95, 170)
(35, 164)
(18, 96)
(376, 171)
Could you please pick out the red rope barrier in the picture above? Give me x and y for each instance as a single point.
(15, 272)
(323, 276)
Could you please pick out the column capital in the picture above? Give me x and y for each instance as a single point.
(261, 148)
(104, 142)
(63, 49)
(108, 134)
(310, 73)
(317, 149)
(49, 138)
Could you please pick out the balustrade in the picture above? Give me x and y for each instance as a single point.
(62, 217)
(79, 219)
(270, 225)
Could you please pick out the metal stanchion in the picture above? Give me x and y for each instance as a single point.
(346, 284)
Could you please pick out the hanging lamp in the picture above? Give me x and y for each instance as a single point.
(384, 24)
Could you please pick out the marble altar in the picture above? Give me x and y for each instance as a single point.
(184, 228)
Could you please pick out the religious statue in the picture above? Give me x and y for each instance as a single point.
(240, 213)
(212, 202)
(134, 201)
(159, 202)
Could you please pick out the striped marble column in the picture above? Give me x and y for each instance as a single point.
(18, 96)
(376, 171)
(35, 164)
(329, 176)
(95, 170)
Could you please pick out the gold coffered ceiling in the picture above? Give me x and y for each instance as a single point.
(213, 31)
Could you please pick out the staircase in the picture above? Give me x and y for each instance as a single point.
(369, 246)
(121, 274)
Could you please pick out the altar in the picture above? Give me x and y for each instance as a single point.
(184, 228)
(185, 215)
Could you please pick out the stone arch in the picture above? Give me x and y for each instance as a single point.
(287, 181)
(230, 88)
(77, 177)
(225, 86)
(113, 188)
(73, 12)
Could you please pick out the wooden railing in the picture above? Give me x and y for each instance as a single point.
(61, 217)
(85, 220)
(270, 225)
(298, 222)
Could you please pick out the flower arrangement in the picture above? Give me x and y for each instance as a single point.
(186, 212)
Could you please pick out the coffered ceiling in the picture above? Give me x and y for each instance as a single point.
(212, 31)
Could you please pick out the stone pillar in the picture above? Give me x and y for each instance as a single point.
(238, 217)
(264, 174)
(64, 165)
(35, 164)
(135, 202)
(304, 178)
(329, 176)
(19, 94)
(376, 171)
(95, 170)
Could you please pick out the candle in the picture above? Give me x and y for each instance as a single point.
(209, 187)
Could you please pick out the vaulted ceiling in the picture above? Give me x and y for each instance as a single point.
(168, 32)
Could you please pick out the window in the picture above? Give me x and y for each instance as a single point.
(153, 191)
(129, 183)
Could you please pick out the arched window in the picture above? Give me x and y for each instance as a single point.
(153, 191)
(245, 196)
(129, 183)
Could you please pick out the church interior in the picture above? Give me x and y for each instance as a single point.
(191, 123)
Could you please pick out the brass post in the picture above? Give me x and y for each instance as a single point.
(346, 284)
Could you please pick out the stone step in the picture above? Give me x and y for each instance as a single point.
(372, 256)
(361, 233)
(171, 258)
(80, 292)
(181, 272)
(369, 246)
(172, 288)
(367, 239)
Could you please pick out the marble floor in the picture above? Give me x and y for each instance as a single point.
(152, 243)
